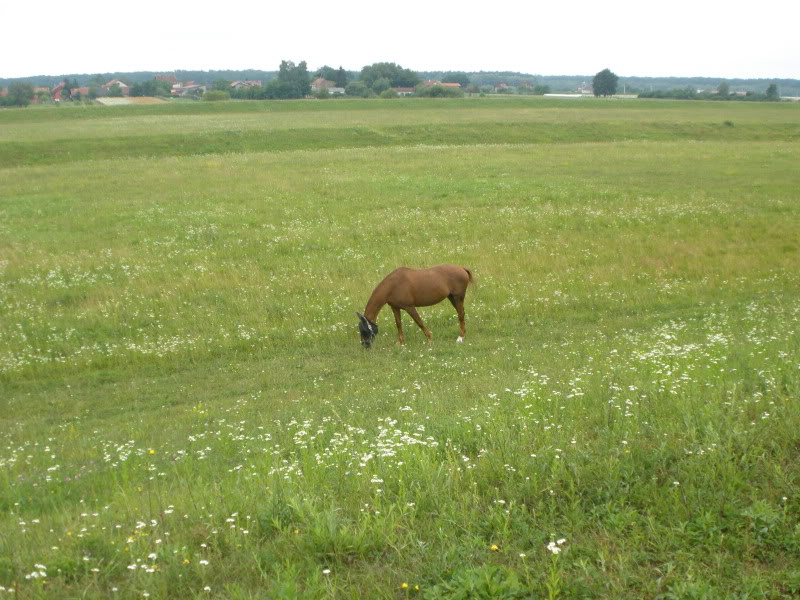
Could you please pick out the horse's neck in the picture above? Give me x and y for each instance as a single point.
(375, 303)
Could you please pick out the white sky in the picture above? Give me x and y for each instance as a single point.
(711, 38)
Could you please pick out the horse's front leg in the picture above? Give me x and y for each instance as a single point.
(400, 337)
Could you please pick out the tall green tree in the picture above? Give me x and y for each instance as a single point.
(294, 78)
(605, 83)
(380, 85)
(724, 90)
(151, 87)
(357, 88)
(326, 72)
(222, 85)
(341, 77)
(20, 93)
(397, 75)
(772, 92)
(68, 87)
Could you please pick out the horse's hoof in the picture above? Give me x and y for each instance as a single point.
(459, 340)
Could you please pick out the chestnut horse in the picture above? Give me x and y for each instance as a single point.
(406, 289)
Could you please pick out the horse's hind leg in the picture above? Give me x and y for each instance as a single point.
(415, 315)
(458, 304)
(400, 337)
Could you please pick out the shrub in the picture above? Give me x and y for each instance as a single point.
(357, 88)
(216, 96)
(19, 94)
(390, 93)
(439, 91)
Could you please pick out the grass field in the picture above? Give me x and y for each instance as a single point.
(186, 410)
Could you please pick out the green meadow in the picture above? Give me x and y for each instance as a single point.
(186, 410)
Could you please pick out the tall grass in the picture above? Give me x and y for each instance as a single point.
(187, 412)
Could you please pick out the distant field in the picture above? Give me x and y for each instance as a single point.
(186, 411)
(130, 100)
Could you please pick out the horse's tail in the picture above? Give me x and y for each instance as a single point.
(469, 274)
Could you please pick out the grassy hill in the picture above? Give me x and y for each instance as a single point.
(186, 411)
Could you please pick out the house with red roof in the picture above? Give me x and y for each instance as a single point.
(126, 90)
(56, 92)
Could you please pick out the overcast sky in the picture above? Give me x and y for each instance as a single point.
(681, 38)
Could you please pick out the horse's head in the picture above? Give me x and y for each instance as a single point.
(367, 329)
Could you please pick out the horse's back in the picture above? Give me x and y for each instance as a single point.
(457, 276)
(424, 287)
(450, 280)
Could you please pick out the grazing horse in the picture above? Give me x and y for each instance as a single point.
(406, 289)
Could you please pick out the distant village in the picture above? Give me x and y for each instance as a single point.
(391, 81)
(116, 88)
(168, 85)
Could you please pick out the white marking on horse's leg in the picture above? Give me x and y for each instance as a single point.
(459, 340)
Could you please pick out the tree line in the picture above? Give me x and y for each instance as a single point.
(293, 80)
(606, 83)
(722, 93)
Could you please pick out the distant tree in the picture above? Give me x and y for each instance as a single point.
(326, 72)
(357, 88)
(461, 78)
(381, 85)
(772, 92)
(163, 87)
(295, 79)
(278, 89)
(605, 83)
(322, 94)
(115, 91)
(223, 85)
(258, 92)
(397, 75)
(389, 93)
(540, 89)
(724, 90)
(20, 93)
(93, 92)
(68, 87)
(472, 89)
(687, 93)
(341, 77)
(439, 91)
(151, 87)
